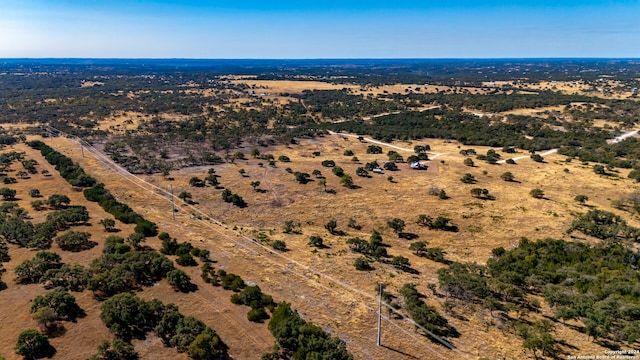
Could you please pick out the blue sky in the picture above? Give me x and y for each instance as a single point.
(319, 29)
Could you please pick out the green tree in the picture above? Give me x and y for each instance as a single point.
(179, 280)
(537, 158)
(255, 153)
(419, 248)
(346, 181)
(207, 345)
(468, 179)
(75, 241)
(35, 193)
(135, 240)
(7, 194)
(331, 227)
(185, 196)
(537, 193)
(58, 201)
(196, 182)
(47, 319)
(60, 301)
(362, 172)
(424, 220)
(315, 241)
(115, 350)
(581, 199)
(255, 185)
(400, 262)
(108, 223)
(279, 245)
(338, 171)
(507, 176)
(362, 264)
(468, 162)
(599, 169)
(33, 345)
(323, 183)
(396, 224)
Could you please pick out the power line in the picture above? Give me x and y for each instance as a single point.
(163, 192)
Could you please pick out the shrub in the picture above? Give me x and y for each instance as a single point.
(75, 241)
(279, 245)
(186, 260)
(362, 264)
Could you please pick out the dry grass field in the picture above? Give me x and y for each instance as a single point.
(323, 284)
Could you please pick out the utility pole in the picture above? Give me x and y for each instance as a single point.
(380, 315)
(173, 205)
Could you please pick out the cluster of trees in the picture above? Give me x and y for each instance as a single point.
(120, 270)
(75, 241)
(235, 199)
(422, 249)
(591, 284)
(119, 210)
(185, 251)
(17, 230)
(439, 223)
(471, 130)
(70, 171)
(128, 316)
(424, 315)
(604, 225)
(252, 296)
(299, 339)
(76, 176)
(53, 307)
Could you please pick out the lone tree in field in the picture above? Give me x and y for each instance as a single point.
(581, 199)
(331, 227)
(255, 184)
(468, 162)
(323, 183)
(537, 158)
(419, 248)
(316, 241)
(507, 176)
(185, 196)
(537, 193)
(468, 179)
(396, 224)
(346, 181)
(8, 194)
(108, 223)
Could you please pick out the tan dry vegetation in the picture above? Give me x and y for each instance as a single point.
(88, 84)
(483, 225)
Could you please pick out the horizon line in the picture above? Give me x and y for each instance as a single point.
(327, 58)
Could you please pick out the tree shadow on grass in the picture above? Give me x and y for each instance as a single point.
(408, 236)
